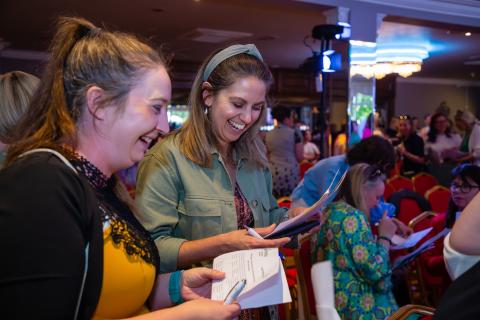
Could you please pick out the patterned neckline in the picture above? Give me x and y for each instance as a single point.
(97, 179)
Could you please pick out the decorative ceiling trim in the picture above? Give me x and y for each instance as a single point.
(468, 9)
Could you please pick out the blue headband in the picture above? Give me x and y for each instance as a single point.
(227, 53)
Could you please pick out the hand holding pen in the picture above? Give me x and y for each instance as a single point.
(241, 239)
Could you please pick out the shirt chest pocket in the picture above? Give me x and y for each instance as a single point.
(261, 209)
(202, 218)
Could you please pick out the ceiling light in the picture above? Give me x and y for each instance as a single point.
(468, 34)
(378, 61)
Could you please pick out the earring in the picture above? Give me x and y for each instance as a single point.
(206, 111)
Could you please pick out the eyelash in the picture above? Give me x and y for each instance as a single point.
(256, 108)
(157, 108)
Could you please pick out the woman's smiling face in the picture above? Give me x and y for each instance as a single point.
(235, 109)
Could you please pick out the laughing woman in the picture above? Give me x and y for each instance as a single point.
(72, 246)
(201, 184)
(199, 187)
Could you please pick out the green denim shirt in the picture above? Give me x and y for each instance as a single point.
(179, 200)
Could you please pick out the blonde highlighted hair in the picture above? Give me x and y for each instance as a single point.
(360, 178)
(197, 136)
(16, 90)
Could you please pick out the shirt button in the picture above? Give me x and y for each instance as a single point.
(254, 203)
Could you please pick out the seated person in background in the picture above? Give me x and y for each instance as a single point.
(460, 252)
(411, 148)
(374, 150)
(442, 145)
(392, 131)
(466, 122)
(462, 257)
(361, 263)
(465, 185)
(310, 149)
(16, 89)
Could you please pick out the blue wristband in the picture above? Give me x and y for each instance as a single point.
(174, 287)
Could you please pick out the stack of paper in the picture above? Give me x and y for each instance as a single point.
(263, 270)
(316, 208)
(427, 245)
(412, 240)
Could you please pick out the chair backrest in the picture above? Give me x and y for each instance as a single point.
(396, 169)
(410, 310)
(422, 182)
(303, 261)
(388, 191)
(304, 166)
(409, 204)
(438, 197)
(399, 183)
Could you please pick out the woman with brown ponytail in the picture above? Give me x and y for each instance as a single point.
(72, 246)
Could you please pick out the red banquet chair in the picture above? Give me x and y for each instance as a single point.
(303, 262)
(388, 191)
(408, 204)
(304, 166)
(438, 197)
(422, 182)
(399, 183)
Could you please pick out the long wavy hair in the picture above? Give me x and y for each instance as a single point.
(198, 136)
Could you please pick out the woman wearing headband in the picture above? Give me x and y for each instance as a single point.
(200, 186)
(71, 245)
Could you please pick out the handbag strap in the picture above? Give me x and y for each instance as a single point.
(87, 246)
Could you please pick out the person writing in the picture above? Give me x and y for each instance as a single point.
(361, 263)
(73, 244)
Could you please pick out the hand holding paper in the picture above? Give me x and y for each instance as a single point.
(302, 222)
(266, 283)
(404, 243)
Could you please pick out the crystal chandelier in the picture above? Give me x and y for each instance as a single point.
(369, 60)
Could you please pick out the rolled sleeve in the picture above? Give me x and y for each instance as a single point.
(157, 197)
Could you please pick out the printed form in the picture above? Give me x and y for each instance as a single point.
(263, 270)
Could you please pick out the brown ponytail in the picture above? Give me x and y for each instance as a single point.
(82, 56)
(49, 121)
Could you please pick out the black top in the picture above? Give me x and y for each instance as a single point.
(460, 301)
(414, 145)
(47, 215)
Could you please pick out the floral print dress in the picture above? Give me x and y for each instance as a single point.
(361, 267)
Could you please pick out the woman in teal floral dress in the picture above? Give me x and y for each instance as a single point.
(360, 260)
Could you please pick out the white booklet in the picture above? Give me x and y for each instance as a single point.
(404, 243)
(261, 268)
(427, 245)
(316, 208)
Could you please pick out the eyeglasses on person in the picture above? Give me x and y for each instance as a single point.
(464, 188)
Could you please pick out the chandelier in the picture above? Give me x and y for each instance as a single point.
(368, 59)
